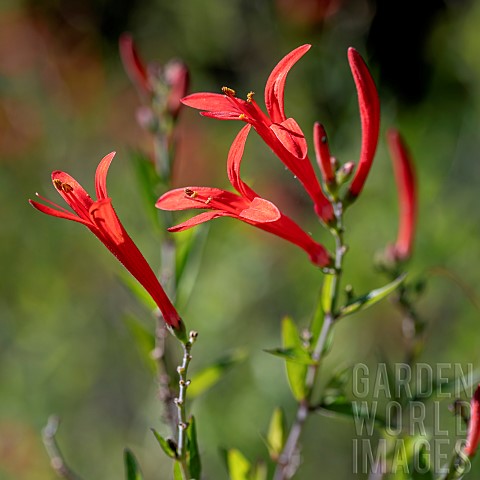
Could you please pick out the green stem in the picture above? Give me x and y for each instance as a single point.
(180, 402)
(285, 465)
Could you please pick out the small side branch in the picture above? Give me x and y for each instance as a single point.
(56, 458)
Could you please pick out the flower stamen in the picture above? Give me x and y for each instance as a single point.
(230, 92)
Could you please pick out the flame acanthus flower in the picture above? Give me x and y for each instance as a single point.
(100, 218)
(247, 206)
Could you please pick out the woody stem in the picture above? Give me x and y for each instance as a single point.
(285, 468)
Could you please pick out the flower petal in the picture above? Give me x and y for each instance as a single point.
(73, 193)
(291, 137)
(369, 105)
(185, 198)
(260, 211)
(210, 102)
(197, 219)
(101, 176)
(233, 164)
(57, 213)
(274, 89)
(221, 115)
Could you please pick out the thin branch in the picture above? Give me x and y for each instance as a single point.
(56, 458)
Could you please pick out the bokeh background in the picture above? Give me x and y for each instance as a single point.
(65, 102)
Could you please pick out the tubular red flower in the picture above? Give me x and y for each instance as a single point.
(407, 194)
(322, 152)
(283, 135)
(247, 206)
(133, 65)
(100, 218)
(369, 105)
(473, 434)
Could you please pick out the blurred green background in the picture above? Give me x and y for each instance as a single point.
(65, 102)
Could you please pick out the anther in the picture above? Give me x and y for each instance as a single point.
(190, 193)
(208, 200)
(229, 91)
(242, 116)
(250, 96)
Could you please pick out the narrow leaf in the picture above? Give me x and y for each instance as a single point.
(165, 445)
(371, 298)
(297, 355)
(209, 376)
(190, 246)
(138, 291)
(260, 471)
(144, 339)
(295, 372)
(276, 433)
(238, 465)
(149, 182)
(326, 300)
(132, 470)
(194, 464)
(177, 471)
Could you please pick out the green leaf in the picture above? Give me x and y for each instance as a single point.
(138, 291)
(144, 339)
(194, 464)
(370, 298)
(149, 182)
(209, 376)
(327, 293)
(334, 390)
(190, 246)
(296, 372)
(259, 472)
(276, 433)
(177, 471)
(349, 409)
(297, 355)
(166, 446)
(238, 466)
(132, 470)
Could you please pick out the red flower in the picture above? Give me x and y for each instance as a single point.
(283, 135)
(322, 153)
(369, 106)
(473, 435)
(174, 76)
(407, 195)
(100, 218)
(134, 66)
(248, 206)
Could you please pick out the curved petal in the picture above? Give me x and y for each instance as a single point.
(274, 89)
(209, 102)
(192, 197)
(73, 193)
(233, 164)
(369, 105)
(198, 219)
(291, 137)
(260, 211)
(101, 176)
(57, 213)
